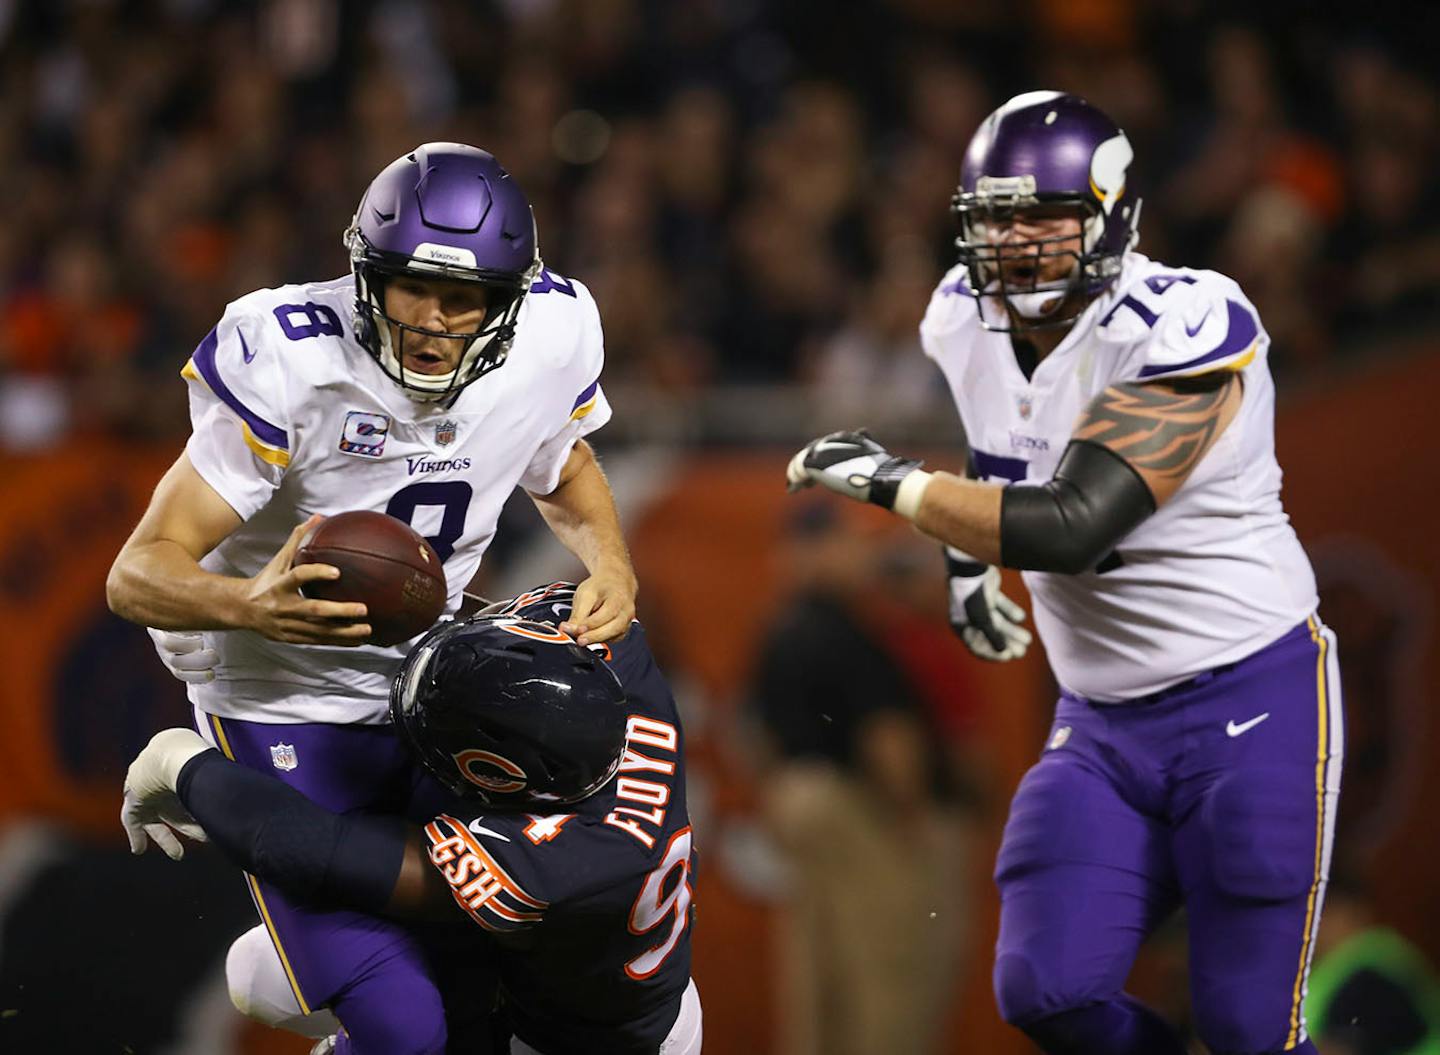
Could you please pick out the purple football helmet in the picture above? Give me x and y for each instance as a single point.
(449, 211)
(1044, 155)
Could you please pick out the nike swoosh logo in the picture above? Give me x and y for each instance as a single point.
(245, 348)
(1236, 729)
(1192, 332)
(480, 829)
(560, 610)
(830, 445)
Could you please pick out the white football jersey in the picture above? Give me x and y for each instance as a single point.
(290, 416)
(1217, 572)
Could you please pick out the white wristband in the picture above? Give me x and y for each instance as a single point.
(911, 493)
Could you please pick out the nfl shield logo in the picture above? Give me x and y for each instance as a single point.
(1061, 738)
(445, 433)
(282, 756)
(1026, 405)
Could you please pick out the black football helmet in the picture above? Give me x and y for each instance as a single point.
(510, 711)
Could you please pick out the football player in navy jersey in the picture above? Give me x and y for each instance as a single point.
(1120, 418)
(559, 840)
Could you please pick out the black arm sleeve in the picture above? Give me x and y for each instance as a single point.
(272, 831)
(1072, 521)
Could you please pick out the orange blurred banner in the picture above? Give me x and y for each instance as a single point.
(80, 694)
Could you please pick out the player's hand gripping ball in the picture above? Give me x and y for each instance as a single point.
(385, 564)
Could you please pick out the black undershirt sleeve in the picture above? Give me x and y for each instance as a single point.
(272, 831)
(1071, 522)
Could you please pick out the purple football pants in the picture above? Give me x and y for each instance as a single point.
(368, 971)
(1219, 794)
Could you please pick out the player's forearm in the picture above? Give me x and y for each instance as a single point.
(582, 515)
(272, 831)
(1067, 524)
(962, 513)
(159, 584)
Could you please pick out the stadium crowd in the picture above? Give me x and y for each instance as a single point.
(756, 193)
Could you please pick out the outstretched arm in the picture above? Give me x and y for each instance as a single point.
(370, 863)
(1134, 447)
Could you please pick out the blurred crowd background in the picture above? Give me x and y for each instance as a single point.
(757, 193)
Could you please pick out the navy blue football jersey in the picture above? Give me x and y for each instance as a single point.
(590, 908)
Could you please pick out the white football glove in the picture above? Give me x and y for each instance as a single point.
(185, 655)
(981, 616)
(151, 807)
(854, 465)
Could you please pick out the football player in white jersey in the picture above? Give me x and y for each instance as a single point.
(1120, 415)
(449, 368)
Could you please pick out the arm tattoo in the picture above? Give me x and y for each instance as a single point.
(1158, 428)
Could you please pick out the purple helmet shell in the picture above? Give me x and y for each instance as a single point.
(443, 211)
(1045, 151)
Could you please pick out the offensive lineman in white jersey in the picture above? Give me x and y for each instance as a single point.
(1128, 411)
(360, 393)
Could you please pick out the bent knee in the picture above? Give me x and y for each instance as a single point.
(256, 978)
(1024, 995)
(260, 989)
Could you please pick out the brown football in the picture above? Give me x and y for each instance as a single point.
(384, 563)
